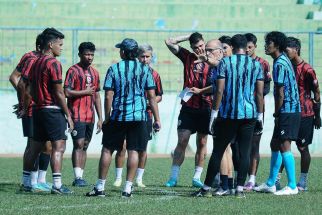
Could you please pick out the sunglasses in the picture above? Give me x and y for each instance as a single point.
(212, 50)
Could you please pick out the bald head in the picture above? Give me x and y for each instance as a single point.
(214, 52)
(214, 43)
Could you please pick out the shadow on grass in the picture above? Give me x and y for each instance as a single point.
(159, 191)
(8, 186)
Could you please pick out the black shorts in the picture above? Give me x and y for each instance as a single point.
(230, 123)
(49, 124)
(149, 128)
(195, 121)
(135, 134)
(83, 130)
(27, 126)
(234, 130)
(287, 126)
(305, 135)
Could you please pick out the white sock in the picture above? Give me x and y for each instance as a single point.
(100, 184)
(252, 179)
(198, 171)
(42, 176)
(240, 188)
(139, 174)
(78, 172)
(205, 187)
(128, 187)
(175, 172)
(57, 180)
(34, 177)
(118, 173)
(81, 173)
(26, 179)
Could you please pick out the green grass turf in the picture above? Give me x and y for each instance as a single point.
(155, 199)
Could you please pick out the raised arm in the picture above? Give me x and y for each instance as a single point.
(172, 43)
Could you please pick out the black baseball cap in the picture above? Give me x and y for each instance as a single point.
(127, 44)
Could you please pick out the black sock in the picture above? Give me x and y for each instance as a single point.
(44, 160)
(224, 182)
(230, 183)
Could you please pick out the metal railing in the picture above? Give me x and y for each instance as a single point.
(15, 41)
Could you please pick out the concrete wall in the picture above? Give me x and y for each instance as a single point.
(13, 142)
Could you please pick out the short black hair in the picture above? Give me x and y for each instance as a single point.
(49, 35)
(39, 41)
(239, 41)
(131, 54)
(293, 42)
(86, 46)
(195, 38)
(251, 38)
(278, 38)
(225, 39)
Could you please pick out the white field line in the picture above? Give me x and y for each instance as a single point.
(171, 195)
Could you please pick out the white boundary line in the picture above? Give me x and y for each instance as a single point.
(93, 205)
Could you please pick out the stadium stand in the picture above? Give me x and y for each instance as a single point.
(150, 21)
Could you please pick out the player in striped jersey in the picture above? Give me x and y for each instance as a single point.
(215, 51)
(82, 86)
(194, 114)
(287, 115)
(145, 54)
(224, 179)
(50, 107)
(310, 116)
(19, 79)
(237, 109)
(125, 85)
(255, 156)
(226, 165)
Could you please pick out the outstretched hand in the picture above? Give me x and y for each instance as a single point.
(195, 90)
(201, 58)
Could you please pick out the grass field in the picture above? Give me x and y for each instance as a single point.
(155, 199)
